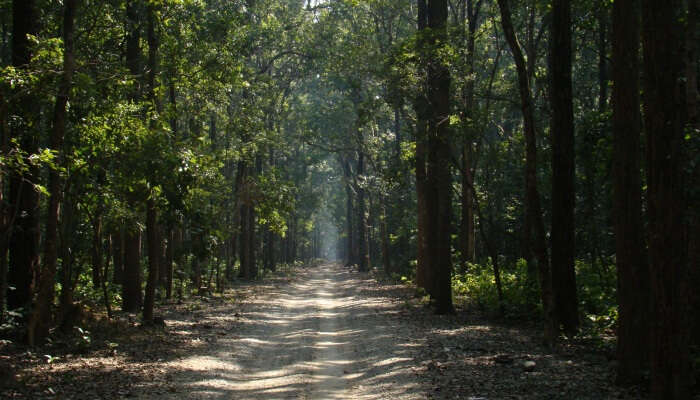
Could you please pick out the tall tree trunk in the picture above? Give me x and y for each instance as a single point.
(153, 256)
(693, 116)
(386, 256)
(153, 239)
(131, 286)
(350, 258)
(252, 244)
(424, 275)
(439, 178)
(632, 266)
(40, 319)
(24, 238)
(563, 190)
(603, 15)
(169, 259)
(664, 58)
(118, 255)
(69, 221)
(362, 229)
(96, 249)
(536, 247)
(4, 210)
(132, 296)
(162, 258)
(467, 231)
(244, 240)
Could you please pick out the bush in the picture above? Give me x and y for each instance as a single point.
(478, 285)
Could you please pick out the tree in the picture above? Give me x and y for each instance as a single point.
(40, 319)
(632, 267)
(24, 219)
(467, 231)
(132, 297)
(424, 272)
(439, 176)
(536, 247)
(563, 191)
(663, 67)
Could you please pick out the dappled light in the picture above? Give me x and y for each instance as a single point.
(349, 199)
(319, 337)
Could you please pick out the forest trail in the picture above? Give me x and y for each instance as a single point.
(317, 337)
(323, 332)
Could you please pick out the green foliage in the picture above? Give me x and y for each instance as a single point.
(82, 340)
(478, 287)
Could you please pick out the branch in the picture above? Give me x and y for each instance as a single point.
(276, 57)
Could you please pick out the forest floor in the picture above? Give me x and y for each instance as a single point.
(321, 332)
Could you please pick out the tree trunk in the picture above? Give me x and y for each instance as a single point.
(536, 247)
(362, 234)
(132, 297)
(424, 277)
(467, 230)
(169, 259)
(131, 286)
(40, 319)
(386, 257)
(24, 237)
(4, 211)
(118, 255)
(663, 41)
(693, 116)
(632, 266)
(439, 176)
(563, 190)
(68, 226)
(153, 256)
(244, 241)
(96, 249)
(153, 237)
(350, 258)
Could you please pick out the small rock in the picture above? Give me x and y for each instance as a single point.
(529, 366)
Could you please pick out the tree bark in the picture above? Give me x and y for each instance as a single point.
(132, 296)
(69, 222)
(536, 245)
(423, 270)
(41, 319)
(632, 266)
(169, 259)
(467, 228)
(4, 210)
(693, 117)
(24, 224)
(563, 190)
(350, 258)
(245, 228)
(118, 255)
(96, 249)
(131, 286)
(362, 229)
(153, 239)
(439, 177)
(664, 59)
(386, 257)
(153, 256)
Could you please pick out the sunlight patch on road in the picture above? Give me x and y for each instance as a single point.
(205, 363)
(390, 361)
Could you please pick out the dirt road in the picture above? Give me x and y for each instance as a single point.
(319, 333)
(321, 336)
